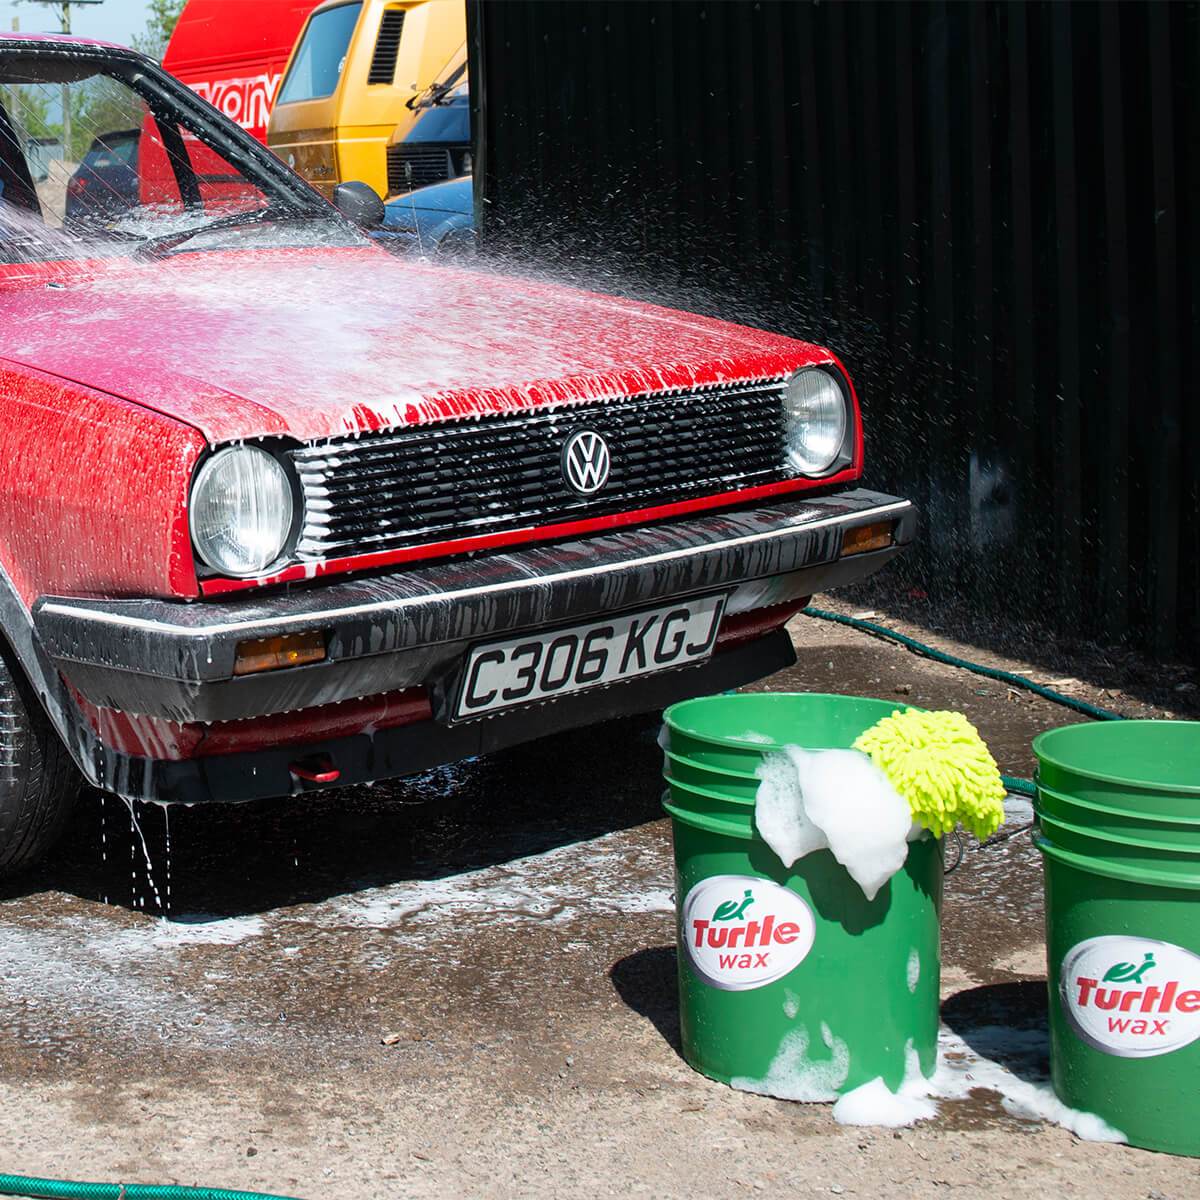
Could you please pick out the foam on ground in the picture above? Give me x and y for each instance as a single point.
(962, 1069)
(876, 1104)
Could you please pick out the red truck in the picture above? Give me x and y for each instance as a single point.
(233, 54)
(280, 511)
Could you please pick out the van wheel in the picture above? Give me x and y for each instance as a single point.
(39, 783)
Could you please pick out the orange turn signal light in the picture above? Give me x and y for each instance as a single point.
(274, 653)
(862, 538)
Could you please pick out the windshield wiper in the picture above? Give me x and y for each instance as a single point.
(157, 247)
(435, 94)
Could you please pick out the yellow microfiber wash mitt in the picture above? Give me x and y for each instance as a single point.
(938, 762)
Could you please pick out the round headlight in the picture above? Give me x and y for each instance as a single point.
(816, 417)
(241, 511)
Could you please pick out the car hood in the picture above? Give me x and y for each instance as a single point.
(318, 343)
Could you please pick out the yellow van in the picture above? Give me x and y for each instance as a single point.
(352, 72)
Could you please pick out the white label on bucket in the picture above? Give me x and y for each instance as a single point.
(741, 932)
(1131, 996)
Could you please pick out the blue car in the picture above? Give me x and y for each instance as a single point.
(435, 219)
(106, 185)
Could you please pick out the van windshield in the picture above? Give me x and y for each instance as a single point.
(319, 61)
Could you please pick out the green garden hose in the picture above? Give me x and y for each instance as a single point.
(1080, 706)
(1015, 784)
(1018, 785)
(65, 1189)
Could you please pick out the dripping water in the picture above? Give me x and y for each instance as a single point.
(166, 811)
(138, 900)
(104, 842)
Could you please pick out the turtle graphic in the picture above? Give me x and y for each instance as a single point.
(1123, 972)
(729, 910)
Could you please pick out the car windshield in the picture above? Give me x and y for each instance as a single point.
(447, 122)
(101, 153)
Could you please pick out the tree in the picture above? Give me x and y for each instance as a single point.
(29, 107)
(99, 106)
(160, 24)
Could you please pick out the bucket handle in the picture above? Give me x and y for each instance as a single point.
(960, 848)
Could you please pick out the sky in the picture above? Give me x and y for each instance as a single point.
(112, 21)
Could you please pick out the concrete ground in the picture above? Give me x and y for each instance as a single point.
(464, 985)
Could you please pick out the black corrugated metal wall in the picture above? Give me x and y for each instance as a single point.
(989, 211)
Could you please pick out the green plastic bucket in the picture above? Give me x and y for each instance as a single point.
(1118, 810)
(1104, 820)
(732, 732)
(809, 990)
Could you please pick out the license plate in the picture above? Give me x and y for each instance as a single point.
(544, 666)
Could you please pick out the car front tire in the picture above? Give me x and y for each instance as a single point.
(39, 783)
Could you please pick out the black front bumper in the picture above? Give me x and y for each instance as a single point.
(407, 749)
(174, 660)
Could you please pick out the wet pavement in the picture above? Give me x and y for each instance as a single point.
(464, 984)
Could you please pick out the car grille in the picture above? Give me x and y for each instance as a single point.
(437, 483)
(414, 165)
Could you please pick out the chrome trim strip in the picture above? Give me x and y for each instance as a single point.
(78, 611)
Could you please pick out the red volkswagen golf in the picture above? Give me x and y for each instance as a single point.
(279, 511)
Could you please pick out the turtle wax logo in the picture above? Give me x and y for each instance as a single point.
(1132, 997)
(740, 932)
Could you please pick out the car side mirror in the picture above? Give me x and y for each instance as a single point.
(360, 203)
